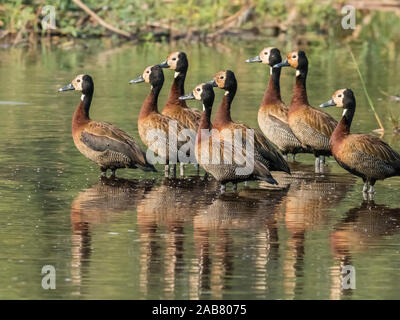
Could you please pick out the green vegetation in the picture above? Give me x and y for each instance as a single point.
(20, 20)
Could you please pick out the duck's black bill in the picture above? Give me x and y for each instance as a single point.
(189, 96)
(284, 63)
(213, 83)
(255, 59)
(164, 64)
(137, 80)
(66, 88)
(329, 103)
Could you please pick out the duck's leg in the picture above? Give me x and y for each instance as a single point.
(365, 187)
(166, 170)
(223, 188)
(197, 166)
(371, 189)
(317, 165)
(321, 161)
(234, 187)
(294, 157)
(103, 172)
(181, 169)
(173, 170)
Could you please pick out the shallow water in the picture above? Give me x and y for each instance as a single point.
(144, 237)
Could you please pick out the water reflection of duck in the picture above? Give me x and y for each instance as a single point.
(251, 211)
(307, 208)
(161, 217)
(96, 205)
(360, 229)
(364, 225)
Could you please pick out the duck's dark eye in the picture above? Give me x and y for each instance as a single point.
(173, 59)
(198, 89)
(79, 80)
(147, 71)
(294, 57)
(266, 52)
(221, 77)
(339, 95)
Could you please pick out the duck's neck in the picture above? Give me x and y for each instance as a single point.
(272, 93)
(223, 115)
(205, 122)
(150, 103)
(299, 90)
(343, 127)
(177, 90)
(81, 115)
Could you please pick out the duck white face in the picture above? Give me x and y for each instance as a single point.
(198, 91)
(293, 59)
(220, 78)
(77, 82)
(338, 97)
(338, 100)
(172, 60)
(146, 74)
(265, 55)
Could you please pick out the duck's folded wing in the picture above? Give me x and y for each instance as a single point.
(270, 152)
(101, 136)
(374, 147)
(320, 121)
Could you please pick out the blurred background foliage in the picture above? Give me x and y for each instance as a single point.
(20, 20)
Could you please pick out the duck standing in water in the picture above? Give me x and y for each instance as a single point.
(363, 155)
(264, 151)
(208, 145)
(175, 108)
(101, 142)
(312, 127)
(273, 112)
(151, 121)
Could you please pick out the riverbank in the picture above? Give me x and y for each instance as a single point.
(21, 24)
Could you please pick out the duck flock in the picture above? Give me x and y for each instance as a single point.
(227, 150)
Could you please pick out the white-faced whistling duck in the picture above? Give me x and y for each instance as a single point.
(312, 127)
(101, 142)
(175, 108)
(273, 112)
(363, 155)
(223, 172)
(264, 150)
(151, 120)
